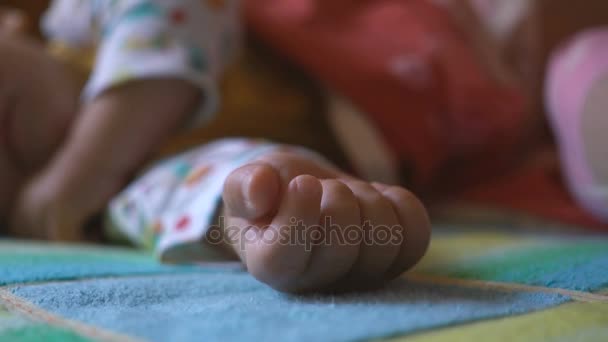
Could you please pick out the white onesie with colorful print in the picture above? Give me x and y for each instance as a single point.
(191, 40)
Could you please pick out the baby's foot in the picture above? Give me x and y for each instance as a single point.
(300, 225)
(577, 100)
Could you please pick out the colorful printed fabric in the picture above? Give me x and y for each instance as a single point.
(171, 207)
(191, 40)
(486, 285)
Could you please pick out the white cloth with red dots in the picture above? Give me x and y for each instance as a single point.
(191, 40)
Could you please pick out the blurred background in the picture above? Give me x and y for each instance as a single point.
(277, 92)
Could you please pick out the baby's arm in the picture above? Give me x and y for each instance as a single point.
(110, 139)
(148, 77)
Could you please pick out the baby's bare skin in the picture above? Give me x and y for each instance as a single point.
(31, 83)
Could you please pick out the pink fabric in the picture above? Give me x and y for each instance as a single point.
(572, 71)
(534, 187)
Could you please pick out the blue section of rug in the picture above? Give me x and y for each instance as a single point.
(32, 262)
(231, 306)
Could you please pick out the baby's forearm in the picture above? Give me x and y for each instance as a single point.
(114, 135)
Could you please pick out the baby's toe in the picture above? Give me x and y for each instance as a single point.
(252, 191)
(333, 252)
(378, 220)
(416, 232)
(277, 257)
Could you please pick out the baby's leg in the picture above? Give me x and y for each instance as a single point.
(38, 100)
(295, 221)
(10, 181)
(11, 22)
(577, 100)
